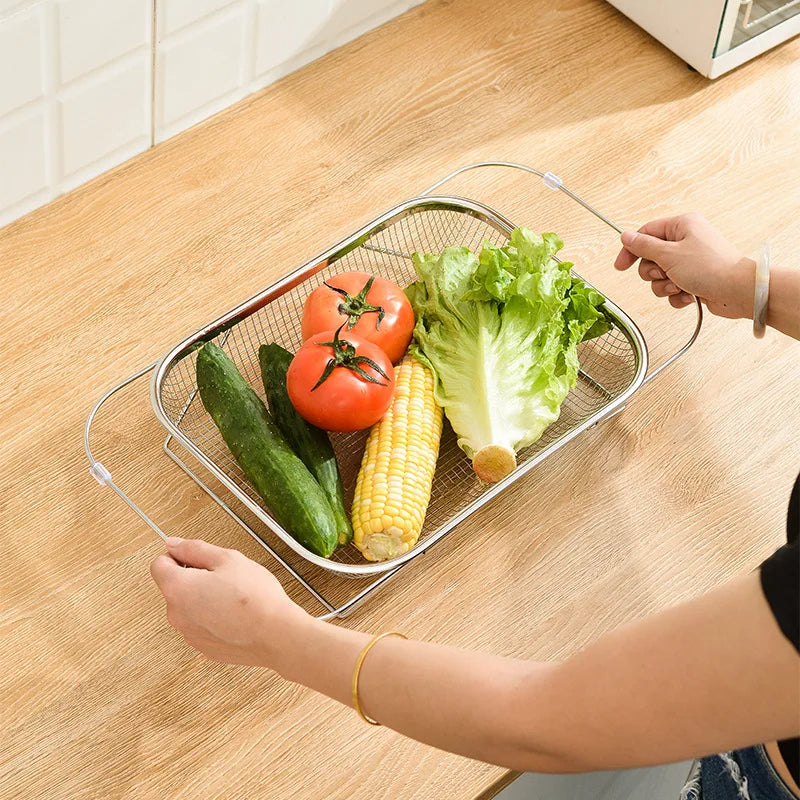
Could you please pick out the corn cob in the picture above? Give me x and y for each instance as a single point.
(396, 474)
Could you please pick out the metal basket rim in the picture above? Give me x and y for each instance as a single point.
(284, 284)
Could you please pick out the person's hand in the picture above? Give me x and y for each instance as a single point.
(686, 255)
(226, 606)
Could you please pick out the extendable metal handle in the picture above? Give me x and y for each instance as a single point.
(678, 353)
(550, 180)
(98, 471)
(555, 183)
(103, 476)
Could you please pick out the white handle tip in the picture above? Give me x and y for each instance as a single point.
(552, 181)
(100, 473)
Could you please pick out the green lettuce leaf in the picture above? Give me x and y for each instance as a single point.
(500, 331)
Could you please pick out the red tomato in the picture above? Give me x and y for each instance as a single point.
(381, 314)
(353, 394)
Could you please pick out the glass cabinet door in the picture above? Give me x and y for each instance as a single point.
(742, 20)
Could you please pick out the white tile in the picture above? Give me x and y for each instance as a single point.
(176, 14)
(363, 15)
(106, 113)
(27, 205)
(20, 59)
(346, 13)
(197, 67)
(104, 164)
(96, 32)
(22, 159)
(288, 67)
(286, 30)
(8, 7)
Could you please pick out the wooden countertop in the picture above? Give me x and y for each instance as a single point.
(685, 489)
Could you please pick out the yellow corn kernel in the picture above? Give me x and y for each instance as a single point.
(394, 483)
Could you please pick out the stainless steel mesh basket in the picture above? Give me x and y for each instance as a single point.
(612, 367)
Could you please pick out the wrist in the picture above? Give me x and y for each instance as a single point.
(288, 643)
(319, 655)
(744, 284)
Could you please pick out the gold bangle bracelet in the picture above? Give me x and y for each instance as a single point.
(357, 671)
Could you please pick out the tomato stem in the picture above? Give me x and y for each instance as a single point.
(354, 305)
(344, 355)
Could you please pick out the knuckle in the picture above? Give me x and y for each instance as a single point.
(156, 566)
(165, 585)
(693, 218)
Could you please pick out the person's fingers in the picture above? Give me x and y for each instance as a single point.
(661, 228)
(625, 259)
(650, 271)
(164, 570)
(681, 300)
(646, 246)
(665, 229)
(196, 553)
(664, 288)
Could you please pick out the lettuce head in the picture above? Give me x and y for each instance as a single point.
(500, 330)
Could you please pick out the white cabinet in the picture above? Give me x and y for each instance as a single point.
(715, 36)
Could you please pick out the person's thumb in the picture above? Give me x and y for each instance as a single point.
(643, 245)
(196, 553)
(164, 571)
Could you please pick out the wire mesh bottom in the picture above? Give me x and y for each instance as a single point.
(609, 364)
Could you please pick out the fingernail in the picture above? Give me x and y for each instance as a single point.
(670, 288)
(655, 274)
(627, 237)
(174, 541)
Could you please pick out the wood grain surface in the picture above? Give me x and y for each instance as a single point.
(685, 489)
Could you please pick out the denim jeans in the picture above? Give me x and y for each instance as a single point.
(740, 775)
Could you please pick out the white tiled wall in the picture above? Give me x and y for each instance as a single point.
(74, 94)
(78, 94)
(210, 53)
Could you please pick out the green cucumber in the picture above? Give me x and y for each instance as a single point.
(290, 491)
(310, 443)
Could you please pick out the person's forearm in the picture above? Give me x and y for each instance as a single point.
(458, 700)
(631, 698)
(783, 311)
